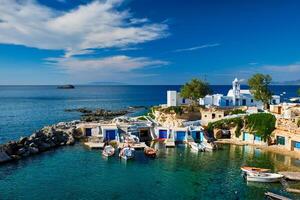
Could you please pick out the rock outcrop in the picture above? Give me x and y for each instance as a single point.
(100, 114)
(42, 140)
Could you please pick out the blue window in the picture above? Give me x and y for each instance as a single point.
(280, 140)
(183, 100)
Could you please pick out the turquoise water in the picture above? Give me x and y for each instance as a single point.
(79, 173)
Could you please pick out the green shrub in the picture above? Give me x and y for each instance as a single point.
(176, 109)
(237, 111)
(142, 118)
(262, 124)
(237, 122)
(298, 123)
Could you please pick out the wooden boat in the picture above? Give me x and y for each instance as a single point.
(150, 152)
(264, 177)
(247, 169)
(108, 151)
(127, 153)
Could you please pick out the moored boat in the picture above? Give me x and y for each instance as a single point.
(247, 169)
(127, 153)
(197, 147)
(264, 177)
(150, 152)
(108, 151)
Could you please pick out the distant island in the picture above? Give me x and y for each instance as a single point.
(65, 87)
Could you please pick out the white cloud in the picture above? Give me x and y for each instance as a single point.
(120, 63)
(91, 26)
(105, 68)
(292, 68)
(197, 47)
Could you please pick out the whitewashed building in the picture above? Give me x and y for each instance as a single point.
(234, 97)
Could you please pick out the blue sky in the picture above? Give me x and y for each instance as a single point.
(147, 41)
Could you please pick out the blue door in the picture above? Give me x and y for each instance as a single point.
(163, 134)
(180, 136)
(88, 132)
(196, 135)
(257, 138)
(246, 136)
(110, 135)
(297, 145)
(201, 136)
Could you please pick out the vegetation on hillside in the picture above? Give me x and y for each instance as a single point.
(234, 112)
(261, 124)
(237, 122)
(259, 86)
(298, 92)
(195, 89)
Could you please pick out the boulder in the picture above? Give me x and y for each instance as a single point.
(11, 148)
(33, 150)
(44, 146)
(22, 140)
(4, 157)
(22, 151)
(71, 140)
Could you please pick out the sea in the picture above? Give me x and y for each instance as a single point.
(78, 173)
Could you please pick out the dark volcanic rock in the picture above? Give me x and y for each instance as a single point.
(45, 139)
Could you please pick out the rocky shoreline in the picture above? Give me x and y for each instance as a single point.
(49, 137)
(61, 134)
(89, 115)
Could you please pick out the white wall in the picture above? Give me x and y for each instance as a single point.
(171, 98)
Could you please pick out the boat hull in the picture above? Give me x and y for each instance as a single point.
(264, 177)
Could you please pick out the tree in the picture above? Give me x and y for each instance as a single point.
(259, 86)
(195, 89)
(298, 92)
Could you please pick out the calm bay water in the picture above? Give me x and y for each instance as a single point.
(79, 173)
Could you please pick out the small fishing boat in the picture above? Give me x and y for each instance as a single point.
(295, 99)
(264, 177)
(247, 169)
(108, 151)
(150, 152)
(197, 147)
(127, 153)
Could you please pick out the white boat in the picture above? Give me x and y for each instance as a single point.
(197, 147)
(247, 169)
(127, 153)
(108, 151)
(295, 99)
(208, 146)
(264, 177)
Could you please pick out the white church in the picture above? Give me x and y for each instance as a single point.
(235, 97)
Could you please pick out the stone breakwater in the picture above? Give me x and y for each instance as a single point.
(49, 137)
